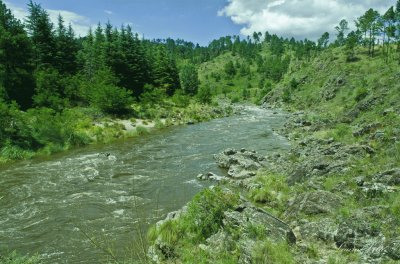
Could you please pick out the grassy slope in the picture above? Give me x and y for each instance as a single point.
(343, 97)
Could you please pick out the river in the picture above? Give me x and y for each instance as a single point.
(108, 192)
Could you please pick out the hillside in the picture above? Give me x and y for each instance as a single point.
(336, 189)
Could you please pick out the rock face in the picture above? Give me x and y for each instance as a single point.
(313, 203)
(240, 164)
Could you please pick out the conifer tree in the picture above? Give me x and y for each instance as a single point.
(16, 69)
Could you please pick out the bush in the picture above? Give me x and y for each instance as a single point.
(189, 79)
(206, 211)
(361, 93)
(111, 99)
(205, 95)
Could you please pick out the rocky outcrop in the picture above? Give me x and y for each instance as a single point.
(240, 164)
(244, 220)
(313, 203)
(241, 228)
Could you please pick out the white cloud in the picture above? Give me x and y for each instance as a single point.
(108, 12)
(80, 24)
(297, 18)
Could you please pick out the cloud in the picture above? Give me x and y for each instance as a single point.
(298, 18)
(108, 12)
(80, 24)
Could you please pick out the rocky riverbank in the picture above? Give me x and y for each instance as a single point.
(307, 205)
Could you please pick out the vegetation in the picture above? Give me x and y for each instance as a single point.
(58, 91)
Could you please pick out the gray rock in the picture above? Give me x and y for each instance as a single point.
(210, 176)
(240, 164)
(312, 203)
(393, 249)
(389, 177)
(324, 229)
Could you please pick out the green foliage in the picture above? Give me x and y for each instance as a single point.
(204, 95)
(141, 130)
(230, 69)
(50, 90)
(205, 212)
(13, 258)
(270, 252)
(152, 95)
(189, 79)
(111, 99)
(274, 190)
(360, 93)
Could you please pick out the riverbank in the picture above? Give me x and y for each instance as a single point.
(336, 189)
(45, 132)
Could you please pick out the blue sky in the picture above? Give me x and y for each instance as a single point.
(196, 21)
(201, 21)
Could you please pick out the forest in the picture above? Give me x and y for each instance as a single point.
(48, 74)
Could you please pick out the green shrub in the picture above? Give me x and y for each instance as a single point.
(111, 99)
(360, 93)
(204, 95)
(206, 210)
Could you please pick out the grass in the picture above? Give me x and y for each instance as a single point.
(273, 191)
(14, 258)
(270, 252)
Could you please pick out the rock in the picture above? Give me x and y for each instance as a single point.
(312, 203)
(367, 129)
(238, 231)
(392, 248)
(390, 177)
(240, 164)
(190, 122)
(211, 177)
(359, 231)
(324, 229)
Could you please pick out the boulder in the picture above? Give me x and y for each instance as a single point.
(393, 248)
(210, 176)
(389, 177)
(240, 164)
(313, 203)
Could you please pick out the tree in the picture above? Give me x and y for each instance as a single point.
(205, 95)
(323, 41)
(66, 48)
(230, 69)
(41, 32)
(351, 43)
(16, 69)
(189, 79)
(341, 29)
(165, 72)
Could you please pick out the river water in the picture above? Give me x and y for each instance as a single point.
(51, 206)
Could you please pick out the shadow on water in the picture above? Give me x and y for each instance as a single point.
(56, 206)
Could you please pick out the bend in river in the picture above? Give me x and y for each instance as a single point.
(49, 206)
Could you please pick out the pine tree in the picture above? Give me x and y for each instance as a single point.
(189, 79)
(67, 48)
(41, 32)
(16, 69)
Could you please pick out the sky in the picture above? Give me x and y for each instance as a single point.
(201, 21)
